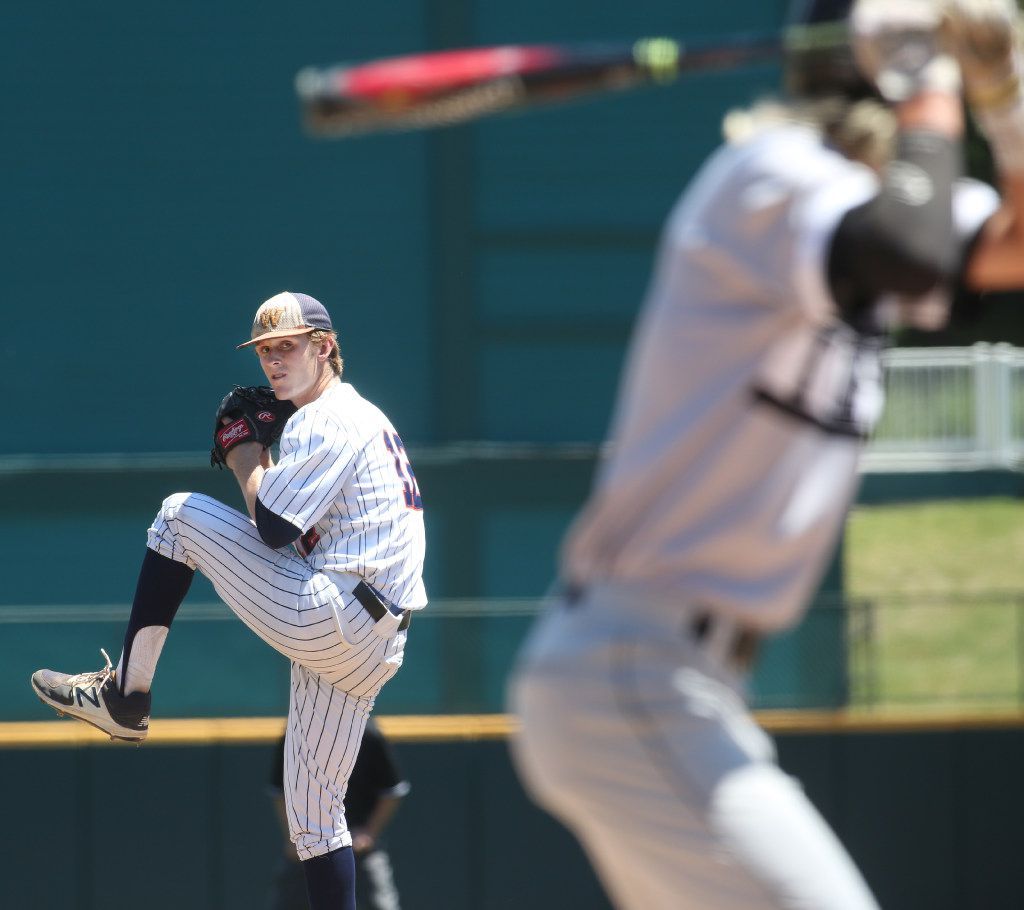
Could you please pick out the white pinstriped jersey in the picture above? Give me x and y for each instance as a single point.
(343, 476)
(745, 399)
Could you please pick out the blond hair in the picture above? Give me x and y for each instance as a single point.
(863, 130)
(317, 337)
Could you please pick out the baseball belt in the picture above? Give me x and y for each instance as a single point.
(740, 649)
(379, 607)
(743, 644)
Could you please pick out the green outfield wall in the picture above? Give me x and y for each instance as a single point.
(157, 185)
(74, 539)
(930, 815)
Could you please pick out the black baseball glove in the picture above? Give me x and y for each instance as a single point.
(254, 415)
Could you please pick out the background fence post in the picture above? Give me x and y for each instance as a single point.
(985, 418)
(1000, 404)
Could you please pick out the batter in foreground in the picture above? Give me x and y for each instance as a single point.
(337, 605)
(751, 384)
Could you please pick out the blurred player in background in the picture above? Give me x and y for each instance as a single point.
(752, 382)
(338, 605)
(375, 791)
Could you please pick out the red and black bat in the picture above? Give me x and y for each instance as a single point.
(446, 87)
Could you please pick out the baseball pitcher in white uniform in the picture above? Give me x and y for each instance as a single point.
(325, 568)
(752, 381)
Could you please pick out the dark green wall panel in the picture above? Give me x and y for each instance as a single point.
(905, 487)
(931, 819)
(157, 186)
(552, 283)
(549, 392)
(915, 799)
(520, 549)
(50, 792)
(988, 838)
(604, 21)
(616, 163)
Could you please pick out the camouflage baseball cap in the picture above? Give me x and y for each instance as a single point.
(288, 313)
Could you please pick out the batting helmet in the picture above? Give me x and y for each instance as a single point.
(818, 57)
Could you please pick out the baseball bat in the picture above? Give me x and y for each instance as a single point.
(441, 88)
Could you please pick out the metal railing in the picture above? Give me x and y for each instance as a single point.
(950, 409)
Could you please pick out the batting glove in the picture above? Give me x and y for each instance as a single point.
(985, 36)
(898, 45)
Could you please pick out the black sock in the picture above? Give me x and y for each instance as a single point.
(331, 880)
(162, 586)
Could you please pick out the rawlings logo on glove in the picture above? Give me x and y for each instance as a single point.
(255, 415)
(233, 433)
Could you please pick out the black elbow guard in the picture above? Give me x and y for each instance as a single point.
(903, 240)
(275, 531)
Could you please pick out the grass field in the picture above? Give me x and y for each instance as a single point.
(938, 594)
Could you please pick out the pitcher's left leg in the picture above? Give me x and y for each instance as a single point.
(325, 729)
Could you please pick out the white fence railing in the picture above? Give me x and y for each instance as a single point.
(951, 409)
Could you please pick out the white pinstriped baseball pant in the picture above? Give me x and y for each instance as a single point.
(640, 741)
(340, 657)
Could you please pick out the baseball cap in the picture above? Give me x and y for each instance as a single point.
(288, 313)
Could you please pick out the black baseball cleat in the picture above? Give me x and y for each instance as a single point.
(95, 699)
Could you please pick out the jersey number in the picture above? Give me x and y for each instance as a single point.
(413, 500)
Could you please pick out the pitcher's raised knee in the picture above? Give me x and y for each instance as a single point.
(172, 504)
(163, 535)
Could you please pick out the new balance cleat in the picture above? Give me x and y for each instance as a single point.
(95, 699)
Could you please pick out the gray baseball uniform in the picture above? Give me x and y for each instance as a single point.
(733, 461)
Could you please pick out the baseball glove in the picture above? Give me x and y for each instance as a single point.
(254, 415)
